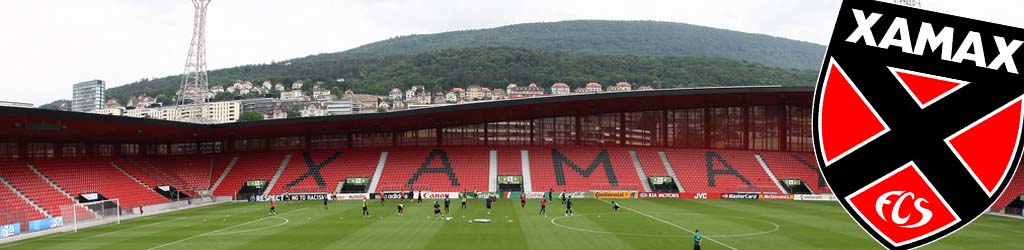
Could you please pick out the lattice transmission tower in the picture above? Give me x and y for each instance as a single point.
(195, 88)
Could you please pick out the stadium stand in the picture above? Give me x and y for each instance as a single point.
(35, 187)
(189, 174)
(719, 171)
(137, 172)
(143, 169)
(251, 166)
(332, 166)
(1013, 191)
(16, 209)
(510, 161)
(650, 161)
(581, 169)
(424, 168)
(84, 175)
(802, 166)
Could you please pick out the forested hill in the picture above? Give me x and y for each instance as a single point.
(575, 52)
(608, 37)
(493, 67)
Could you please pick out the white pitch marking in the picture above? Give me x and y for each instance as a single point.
(256, 229)
(218, 230)
(131, 228)
(669, 223)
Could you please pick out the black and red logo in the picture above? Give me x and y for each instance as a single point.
(918, 119)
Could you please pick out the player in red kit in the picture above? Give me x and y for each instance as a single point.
(273, 208)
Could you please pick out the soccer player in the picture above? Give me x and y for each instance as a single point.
(568, 207)
(543, 206)
(401, 209)
(615, 206)
(522, 200)
(697, 239)
(463, 194)
(366, 212)
(447, 202)
(437, 210)
(273, 207)
(550, 194)
(490, 199)
(325, 202)
(419, 198)
(382, 199)
(563, 197)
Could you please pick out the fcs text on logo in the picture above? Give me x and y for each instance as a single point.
(884, 202)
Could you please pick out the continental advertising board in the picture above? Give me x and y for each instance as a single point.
(615, 195)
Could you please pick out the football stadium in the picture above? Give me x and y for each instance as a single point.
(642, 170)
(576, 125)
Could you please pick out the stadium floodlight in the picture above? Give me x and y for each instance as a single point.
(90, 214)
(194, 90)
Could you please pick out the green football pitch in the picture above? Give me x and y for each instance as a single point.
(641, 224)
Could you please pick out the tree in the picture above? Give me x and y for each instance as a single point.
(224, 96)
(250, 116)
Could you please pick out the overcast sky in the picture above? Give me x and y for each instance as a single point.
(48, 45)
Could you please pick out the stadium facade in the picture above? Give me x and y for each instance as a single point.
(729, 142)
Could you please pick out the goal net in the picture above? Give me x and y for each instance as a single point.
(89, 214)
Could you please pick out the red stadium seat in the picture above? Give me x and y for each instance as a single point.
(84, 175)
(347, 163)
(582, 169)
(719, 171)
(251, 166)
(469, 168)
(802, 166)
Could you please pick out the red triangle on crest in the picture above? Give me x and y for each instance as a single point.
(988, 146)
(847, 121)
(925, 88)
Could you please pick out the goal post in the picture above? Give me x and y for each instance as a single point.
(89, 214)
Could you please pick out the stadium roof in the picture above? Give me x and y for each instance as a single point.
(38, 125)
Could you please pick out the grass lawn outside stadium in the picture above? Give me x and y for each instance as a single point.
(641, 224)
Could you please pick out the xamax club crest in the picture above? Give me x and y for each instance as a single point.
(918, 119)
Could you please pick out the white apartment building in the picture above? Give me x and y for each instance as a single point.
(322, 95)
(593, 87)
(15, 104)
(213, 112)
(560, 88)
(222, 112)
(395, 94)
(294, 95)
(339, 107)
(87, 96)
(118, 111)
(143, 113)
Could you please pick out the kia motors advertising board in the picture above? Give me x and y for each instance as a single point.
(917, 119)
(652, 195)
